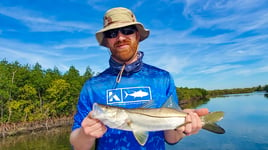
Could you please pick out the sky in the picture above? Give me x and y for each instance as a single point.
(210, 44)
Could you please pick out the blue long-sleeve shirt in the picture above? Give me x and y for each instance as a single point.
(139, 84)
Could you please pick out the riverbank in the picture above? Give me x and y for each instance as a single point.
(11, 129)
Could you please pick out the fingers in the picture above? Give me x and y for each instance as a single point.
(202, 111)
(195, 122)
(93, 127)
(194, 126)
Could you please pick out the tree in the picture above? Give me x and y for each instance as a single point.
(88, 74)
(73, 77)
(4, 87)
(37, 78)
(58, 98)
(266, 88)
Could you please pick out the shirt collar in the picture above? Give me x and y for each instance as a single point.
(130, 68)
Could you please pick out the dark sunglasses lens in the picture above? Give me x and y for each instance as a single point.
(127, 31)
(111, 33)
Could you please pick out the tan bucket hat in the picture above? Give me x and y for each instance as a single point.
(120, 17)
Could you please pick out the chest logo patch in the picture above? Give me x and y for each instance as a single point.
(128, 95)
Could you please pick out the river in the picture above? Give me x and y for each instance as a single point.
(245, 122)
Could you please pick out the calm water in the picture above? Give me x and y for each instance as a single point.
(245, 122)
(56, 139)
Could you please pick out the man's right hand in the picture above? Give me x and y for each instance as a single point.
(93, 127)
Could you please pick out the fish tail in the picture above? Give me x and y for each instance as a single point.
(210, 120)
(126, 94)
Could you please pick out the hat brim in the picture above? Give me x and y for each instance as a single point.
(144, 33)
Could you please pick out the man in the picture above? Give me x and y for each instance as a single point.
(119, 86)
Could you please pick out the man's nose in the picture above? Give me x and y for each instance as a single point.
(121, 36)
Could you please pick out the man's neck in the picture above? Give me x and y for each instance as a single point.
(131, 60)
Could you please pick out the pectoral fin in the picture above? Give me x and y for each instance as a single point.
(141, 137)
(213, 127)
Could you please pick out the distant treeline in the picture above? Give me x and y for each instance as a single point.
(30, 93)
(192, 97)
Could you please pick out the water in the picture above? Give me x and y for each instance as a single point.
(56, 139)
(245, 122)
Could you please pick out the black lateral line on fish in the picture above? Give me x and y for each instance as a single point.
(153, 115)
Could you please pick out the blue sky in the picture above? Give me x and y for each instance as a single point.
(211, 44)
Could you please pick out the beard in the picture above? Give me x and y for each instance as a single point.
(125, 54)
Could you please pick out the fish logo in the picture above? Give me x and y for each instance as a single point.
(139, 94)
(128, 95)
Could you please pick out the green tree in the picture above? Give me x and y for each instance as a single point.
(265, 88)
(88, 74)
(4, 88)
(73, 77)
(38, 81)
(28, 95)
(58, 98)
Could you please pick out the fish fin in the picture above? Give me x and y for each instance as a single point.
(213, 117)
(126, 94)
(213, 127)
(210, 120)
(170, 103)
(149, 104)
(141, 137)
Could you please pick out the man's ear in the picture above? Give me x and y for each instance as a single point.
(138, 37)
(104, 42)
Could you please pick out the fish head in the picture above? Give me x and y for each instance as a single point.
(113, 117)
(103, 111)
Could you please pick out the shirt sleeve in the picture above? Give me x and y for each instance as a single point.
(172, 93)
(83, 107)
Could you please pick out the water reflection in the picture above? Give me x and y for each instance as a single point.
(56, 139)
(194, 104)
(245, 122)
(266, 95)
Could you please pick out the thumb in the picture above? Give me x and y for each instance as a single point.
(202, 111)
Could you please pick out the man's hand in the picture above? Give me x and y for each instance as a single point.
(93, 127)
(195, 122)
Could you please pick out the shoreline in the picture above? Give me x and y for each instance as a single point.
(13, 129)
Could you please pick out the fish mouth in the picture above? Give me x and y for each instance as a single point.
(97, 110)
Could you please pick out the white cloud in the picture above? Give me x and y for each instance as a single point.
(36, 22)
(253, 70)
(219, 68)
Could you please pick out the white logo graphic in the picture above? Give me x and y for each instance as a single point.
(113, 97)
(139, 93)
(128, 95)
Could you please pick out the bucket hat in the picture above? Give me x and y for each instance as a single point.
(120, 17)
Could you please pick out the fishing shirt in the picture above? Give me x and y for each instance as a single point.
(140, 83)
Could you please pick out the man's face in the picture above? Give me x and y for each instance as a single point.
(123, 43)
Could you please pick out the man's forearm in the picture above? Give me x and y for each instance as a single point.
(80, 141)
(173, 136)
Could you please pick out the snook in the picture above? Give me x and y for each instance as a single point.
(142, 120)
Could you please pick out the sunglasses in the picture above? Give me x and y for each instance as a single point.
(125, 30)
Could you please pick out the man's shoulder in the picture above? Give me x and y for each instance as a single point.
(100, 76)
(154, 68)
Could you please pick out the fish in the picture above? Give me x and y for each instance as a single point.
(143, 120)
(139, 93)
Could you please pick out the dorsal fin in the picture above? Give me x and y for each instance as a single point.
(149, 104)
(170, 103)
